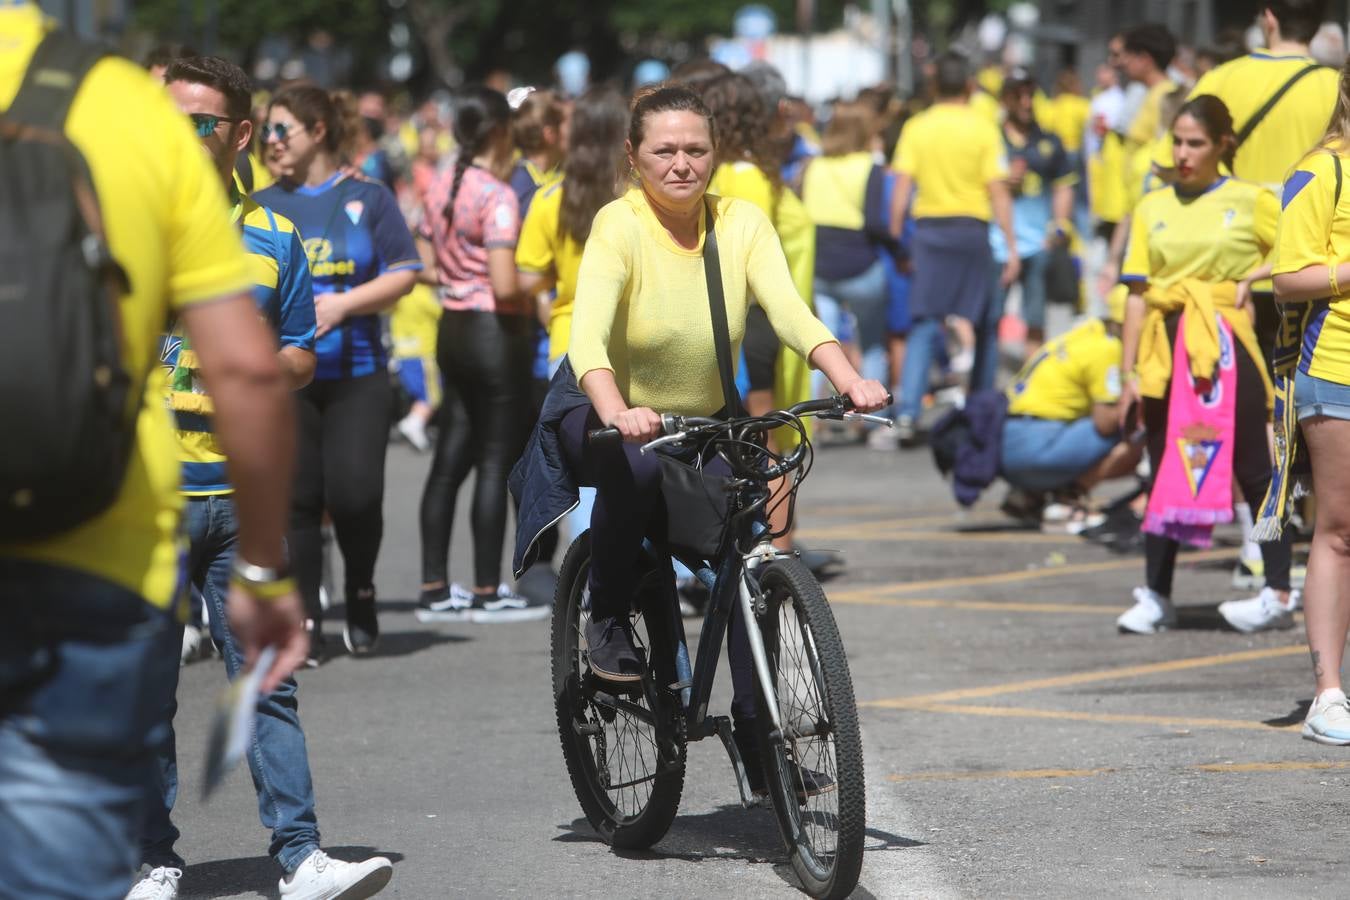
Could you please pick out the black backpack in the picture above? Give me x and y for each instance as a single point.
(68, 406)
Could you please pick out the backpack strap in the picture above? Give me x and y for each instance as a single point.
(54, 74)
(1275, 98)
(712, 270)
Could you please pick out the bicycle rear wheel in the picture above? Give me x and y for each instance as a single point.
(625, 759)
(822, 813)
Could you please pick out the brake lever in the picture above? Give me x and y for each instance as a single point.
(868, 417)
(662, 441)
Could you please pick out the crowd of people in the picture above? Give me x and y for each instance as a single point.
(1060, 290)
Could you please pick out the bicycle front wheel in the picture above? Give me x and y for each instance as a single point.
(625, 759)
(814, 770)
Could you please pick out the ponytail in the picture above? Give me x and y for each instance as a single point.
(480, 114)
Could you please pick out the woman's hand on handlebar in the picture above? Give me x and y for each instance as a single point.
(637, 425)
(868, 395)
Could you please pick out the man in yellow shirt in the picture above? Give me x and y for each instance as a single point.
(1062, 427)
(956, 161)
(83, 614)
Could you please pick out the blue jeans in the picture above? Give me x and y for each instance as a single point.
(867, 296)
(920, 351)
(79, 665)
(1045, 454)
(1032, 280)
(277, 758)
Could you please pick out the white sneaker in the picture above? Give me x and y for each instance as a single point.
(1328, 719)
(1259, 613)
(1151, 613)
(415, 431)
(157, 884)
(320, 877)
(193, 639)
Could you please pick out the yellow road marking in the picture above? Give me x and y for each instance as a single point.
(1113, 565)
(951, 537)
(984, 605)
(1057, 681)
(1006, 773)
(1019, 712)
(1288, 766)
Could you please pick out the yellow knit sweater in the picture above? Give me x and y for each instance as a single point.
(642, 312)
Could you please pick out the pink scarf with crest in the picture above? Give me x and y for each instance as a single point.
(1193, 490)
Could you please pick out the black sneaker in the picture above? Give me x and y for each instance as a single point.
(447, 604)
(506, 606)
(362, 630)
(610, 650)
(809, 783)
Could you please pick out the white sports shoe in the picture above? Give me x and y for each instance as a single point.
(157, 884)
(1328, 719)
(1259, 613)
(1151, 613)
(414, 430)
(320, 877)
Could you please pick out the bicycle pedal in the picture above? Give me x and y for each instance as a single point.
(681, 685)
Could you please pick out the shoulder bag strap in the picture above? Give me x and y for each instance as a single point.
(53, 77)
(1275, 98)
(712, 269)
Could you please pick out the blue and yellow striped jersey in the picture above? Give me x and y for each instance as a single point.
(282, 290)
(1315, 230)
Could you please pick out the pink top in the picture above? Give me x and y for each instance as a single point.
(487, 216)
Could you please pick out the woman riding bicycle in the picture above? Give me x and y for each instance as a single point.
(642, 341)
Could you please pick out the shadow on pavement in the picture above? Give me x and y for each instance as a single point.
(256, 874)
(730, 832)
(395, 643)
(1296, 717)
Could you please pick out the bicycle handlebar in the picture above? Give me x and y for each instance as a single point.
(680, 428)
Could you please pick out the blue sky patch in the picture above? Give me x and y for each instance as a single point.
(1297, 182)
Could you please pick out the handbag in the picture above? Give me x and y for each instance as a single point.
(696, 501)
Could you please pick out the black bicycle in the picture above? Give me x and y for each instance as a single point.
(625, 746)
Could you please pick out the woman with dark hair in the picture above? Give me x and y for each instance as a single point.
(1194, 375)
(642, 342)
(484, 349)
(748, 169)
(361, 260)
(844, 193)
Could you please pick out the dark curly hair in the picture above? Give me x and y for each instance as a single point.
(744, 124)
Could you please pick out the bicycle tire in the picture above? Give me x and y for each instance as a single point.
(824, 834)
(635, 821)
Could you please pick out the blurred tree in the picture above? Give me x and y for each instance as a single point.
(467, 38)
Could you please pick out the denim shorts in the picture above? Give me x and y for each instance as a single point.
(1319, 397)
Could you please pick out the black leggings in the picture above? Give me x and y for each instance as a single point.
(344, 430)
(485, 359)
(1251, 470)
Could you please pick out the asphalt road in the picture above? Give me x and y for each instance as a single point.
(1016, 745)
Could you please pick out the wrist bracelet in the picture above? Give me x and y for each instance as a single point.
(270, 590)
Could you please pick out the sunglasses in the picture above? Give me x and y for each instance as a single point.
(206, 123)
(279, 130)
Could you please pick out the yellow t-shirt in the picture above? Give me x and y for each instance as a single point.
(1219, 235)
(1106, 180)
(1067, 116)
(1068, 375)
(544, 248)
(1315, 230)
(952, 154)
(1294, 125)
(167, 222)
(1148, 123)
(642, 311)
